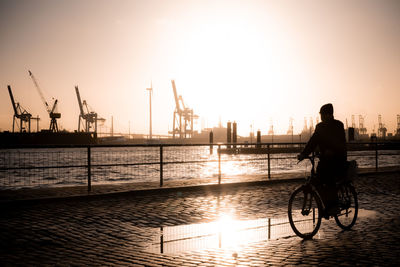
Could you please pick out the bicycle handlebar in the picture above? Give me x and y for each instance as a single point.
(311, 158)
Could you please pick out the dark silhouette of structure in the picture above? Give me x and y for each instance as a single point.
(183, 117)
(361, 128)
(381, 128)
(22, 115)
(51, 110)
(88, 119)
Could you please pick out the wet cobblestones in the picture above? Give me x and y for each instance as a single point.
(116, 230)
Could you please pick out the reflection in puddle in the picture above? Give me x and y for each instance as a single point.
(366, 213)
(225, 233)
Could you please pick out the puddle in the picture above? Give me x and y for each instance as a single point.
(367, 213)
(226, 233)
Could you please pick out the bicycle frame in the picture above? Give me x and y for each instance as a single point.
(302, 201)
(311, 178)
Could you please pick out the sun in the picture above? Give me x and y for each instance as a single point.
(228, 69)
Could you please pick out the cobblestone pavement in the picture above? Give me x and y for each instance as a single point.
(123, 229)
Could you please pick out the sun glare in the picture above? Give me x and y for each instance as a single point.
(230, 67)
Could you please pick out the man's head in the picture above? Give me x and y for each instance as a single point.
(326, 112)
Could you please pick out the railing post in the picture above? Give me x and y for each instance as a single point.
(161, 239)
(161, 166)
(89, 172)
(269, 163)
(376, 156)
(211, 142)
(269, 228)
(219, 164)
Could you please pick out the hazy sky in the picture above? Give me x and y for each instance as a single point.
(247, 61)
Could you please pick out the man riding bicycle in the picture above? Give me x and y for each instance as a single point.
(330, 139)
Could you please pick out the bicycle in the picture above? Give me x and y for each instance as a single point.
(306, 208)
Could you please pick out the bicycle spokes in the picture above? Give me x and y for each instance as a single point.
(303, 211)
(348, 204)
(307, 201)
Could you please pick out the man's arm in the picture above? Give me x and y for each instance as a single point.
(311, 145)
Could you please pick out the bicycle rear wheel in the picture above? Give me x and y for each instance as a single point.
(304, 212)
(348, 205)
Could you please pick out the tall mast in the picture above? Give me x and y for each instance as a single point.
(150, 93)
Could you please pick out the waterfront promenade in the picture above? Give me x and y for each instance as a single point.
(193, 227)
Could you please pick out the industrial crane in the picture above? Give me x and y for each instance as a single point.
(353, 122)
(271, 128)
(381, 128)
(89, 117)
(182, 113)
(51, 110)
(362, 130)
(398, 126)
(21, 114)
(290, 130)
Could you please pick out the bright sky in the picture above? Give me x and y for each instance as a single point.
(252, 62)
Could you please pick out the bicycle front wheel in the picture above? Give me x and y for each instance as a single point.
(348, 205)
(304, 212)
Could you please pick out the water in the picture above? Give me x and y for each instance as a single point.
(226, 233)
(68, 166)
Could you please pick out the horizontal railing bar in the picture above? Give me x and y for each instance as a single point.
(79, 166)
(151, 163)
(192, 161)
(43, 167)
(142, 145)
(284, 158)
(255, 159)
(372, 144)
(372, 155)
(106, 165)
(237, 160)
(164, 163)
(125, 164)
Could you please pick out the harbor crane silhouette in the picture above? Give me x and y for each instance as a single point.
(87, 119)
(22, 115)
(50, 110)
(183, 117)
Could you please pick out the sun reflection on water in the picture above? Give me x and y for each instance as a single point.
(224, 233)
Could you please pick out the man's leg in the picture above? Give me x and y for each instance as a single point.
(326, 172)
(322, 186)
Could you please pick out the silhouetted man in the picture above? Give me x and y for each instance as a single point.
(329, 137)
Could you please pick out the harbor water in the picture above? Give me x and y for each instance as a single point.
(51, 167)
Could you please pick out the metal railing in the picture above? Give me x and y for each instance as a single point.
(44, 166)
